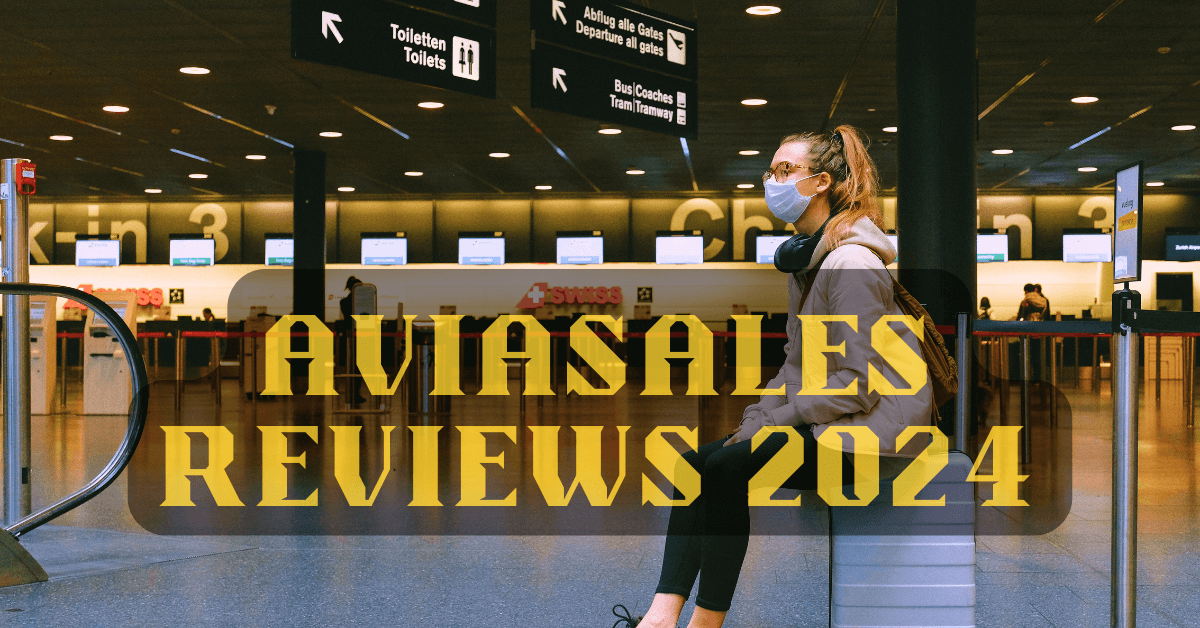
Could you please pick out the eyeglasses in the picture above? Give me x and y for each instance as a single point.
(782, 171)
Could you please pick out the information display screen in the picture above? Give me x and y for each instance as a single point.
(991, 247)
(280, 251)
(36, 312)
(193, 252)
(765, 247)
(580, 249)
(378, 251)
(1087, 247)
(1183, 247)
(97, 252)
(679, 250)
(480, 251)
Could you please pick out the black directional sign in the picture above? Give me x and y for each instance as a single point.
(583, 85)
(632, 34)
(482, 11)
(400, 42)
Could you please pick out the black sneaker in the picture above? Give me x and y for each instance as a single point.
(629, 620)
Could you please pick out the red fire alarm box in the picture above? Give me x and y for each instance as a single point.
(26, 178)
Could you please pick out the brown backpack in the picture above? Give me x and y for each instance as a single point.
(943, 371)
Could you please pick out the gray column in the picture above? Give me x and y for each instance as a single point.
(308, 230)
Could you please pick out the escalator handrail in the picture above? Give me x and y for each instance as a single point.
(137, 410)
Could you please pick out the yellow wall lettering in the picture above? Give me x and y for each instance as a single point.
(495, 351)
(670, 463)
(892, 348)
(274, 456)
(177, 459)
(866, 465)
(369, 352)
(778, 469)
(587, 464)
(474, 456)
(445, 350)
(816, 343)
(920, 472)
(1002, 440)
(748, 366)
(700, 350)
(592, 349)
(425, 465)
(346, 458)
(279, 349)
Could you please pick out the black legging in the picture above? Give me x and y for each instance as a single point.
(709, 536)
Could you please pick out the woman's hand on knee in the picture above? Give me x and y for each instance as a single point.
(754, 419)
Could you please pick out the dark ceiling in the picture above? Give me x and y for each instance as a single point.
(65, 59)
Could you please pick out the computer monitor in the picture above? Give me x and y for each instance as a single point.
(481, 248)
(193, 249)
(280, 249)
(384, 249)
(679, 247)
(37, 311)
(579, 247)
(1183, 245)
(991, 247)
(1087, 247)
(95, 252)
(767, 242)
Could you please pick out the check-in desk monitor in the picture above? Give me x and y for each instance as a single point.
(1087, 247)
(767, 242)
(106, 380)
(1183, 245)
(193, 250)
(95, 252)
(579, 247)
(480, 248)
(280, 249)
(991, 247)
(43, 353)
(384, 249)
(679, 247)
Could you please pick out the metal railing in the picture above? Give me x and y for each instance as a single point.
(137, 410)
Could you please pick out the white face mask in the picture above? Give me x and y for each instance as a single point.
(784, 200)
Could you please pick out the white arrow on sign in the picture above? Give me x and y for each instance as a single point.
(556, 11)
(557, 80)
(327, 24)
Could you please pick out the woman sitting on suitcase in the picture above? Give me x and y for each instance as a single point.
(826, 186)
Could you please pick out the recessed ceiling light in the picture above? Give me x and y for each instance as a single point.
(498, 155)
(153, 191)
(754, 102)
(607, 131)
(413, 173)
(345, 188)
(198, 175)
(115, 108)
(194, 70)
(748, 153)
(543, 187)
(61, 138)
(1087, 169)
(635, 171)
(871, 110)
(329, 134)
(1002, 151)
(1084, 100)
(1164, 50)
(1184, 127)
(1155, 184)
(745, 186)
(256, 157)
(763, 9)
(890, 129)
(430, 105)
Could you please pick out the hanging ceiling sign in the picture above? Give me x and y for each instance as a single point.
(396, 41)
(482, 11)
(630, 34)
(571, 82)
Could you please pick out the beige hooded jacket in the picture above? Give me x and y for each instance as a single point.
(852, 280)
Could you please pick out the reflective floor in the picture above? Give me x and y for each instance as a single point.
(107, 571)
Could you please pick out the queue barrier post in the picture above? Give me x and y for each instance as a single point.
(180, 346)
(1123, 605)
(1026, 441)
(962, 401)
(1189, 364)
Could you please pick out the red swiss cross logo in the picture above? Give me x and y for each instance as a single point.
(535, 298)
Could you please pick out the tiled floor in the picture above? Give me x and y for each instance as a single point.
(106, 571)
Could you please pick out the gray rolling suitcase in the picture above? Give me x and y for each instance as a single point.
(906, 566)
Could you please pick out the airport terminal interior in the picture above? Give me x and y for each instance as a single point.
(550, 222)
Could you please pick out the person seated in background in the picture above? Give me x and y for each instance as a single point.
(1034, 306)
(208, 315)
(1038, 287)
(985, 307)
